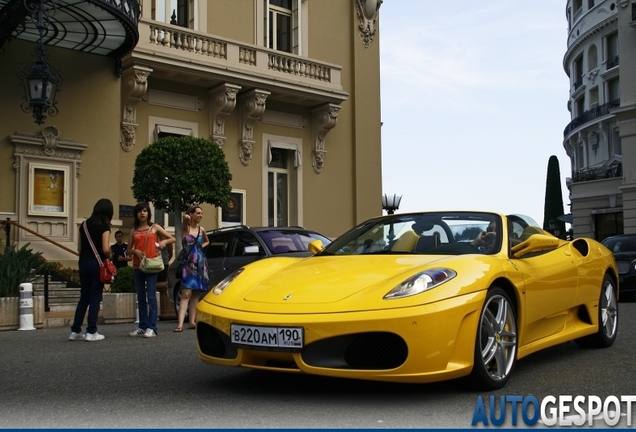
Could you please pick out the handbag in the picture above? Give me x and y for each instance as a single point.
(184, 257)
(150, 265)
(107, 270)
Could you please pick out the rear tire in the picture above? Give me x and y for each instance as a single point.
(495, 343)
(607, 318)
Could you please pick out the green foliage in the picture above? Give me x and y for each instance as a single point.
(18, 266)
(553, 197)
(181, 171)
(57, 269)
(468, 234)
(124, 281)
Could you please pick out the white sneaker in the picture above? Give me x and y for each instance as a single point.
(150, 333)
(94, 337)
(138, 332)
(76, 336)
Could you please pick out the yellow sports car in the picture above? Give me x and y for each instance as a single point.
(417, 297)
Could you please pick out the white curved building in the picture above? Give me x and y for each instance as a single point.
(601, 137)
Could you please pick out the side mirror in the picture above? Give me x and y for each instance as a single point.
(315, 246)
(250, 250)
(535, 243)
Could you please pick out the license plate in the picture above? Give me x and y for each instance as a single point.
(267, 338)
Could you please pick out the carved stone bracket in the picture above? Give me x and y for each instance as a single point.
(367, 14)
(324, 119)
(252, 108)
(222, 102)
(134, 86)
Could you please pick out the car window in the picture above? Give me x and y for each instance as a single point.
(218, 246)
(279, 241)
(620, 244)
(246, 238)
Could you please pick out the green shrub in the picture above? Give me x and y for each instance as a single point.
(18, 266)
(124, 281)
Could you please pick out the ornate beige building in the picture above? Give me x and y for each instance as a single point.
(290, 90)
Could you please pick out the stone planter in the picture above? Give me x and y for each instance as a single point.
(119, 308)
(10, 312)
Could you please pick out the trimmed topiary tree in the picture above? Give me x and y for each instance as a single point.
(174, 173)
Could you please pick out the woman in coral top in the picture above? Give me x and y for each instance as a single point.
(144, 240)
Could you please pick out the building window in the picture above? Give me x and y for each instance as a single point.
(175, 12)
(282, 181)
(278, 189)
(612, 50)
(615, 139)
(578, 72)
(592, 58)
(284, 22)
(279, 25)
(580, 160)
(614, 91)
(580, 106)
(607, 224)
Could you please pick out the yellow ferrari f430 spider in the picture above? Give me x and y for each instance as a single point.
(418, 297)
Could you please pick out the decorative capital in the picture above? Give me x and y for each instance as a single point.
(222, 103)
(368, 11)
(252, 108)
(134, 88)
(325, 118)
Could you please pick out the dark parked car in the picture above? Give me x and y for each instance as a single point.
(624, 249)
(231, 248)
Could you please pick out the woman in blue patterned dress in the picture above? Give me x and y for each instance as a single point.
(194, 276)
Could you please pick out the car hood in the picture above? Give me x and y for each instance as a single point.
(357, 281)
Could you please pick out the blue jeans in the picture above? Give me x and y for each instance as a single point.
(90, 296)
(146, 286)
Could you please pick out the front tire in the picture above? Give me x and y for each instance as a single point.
(495, 343)
(607, 318)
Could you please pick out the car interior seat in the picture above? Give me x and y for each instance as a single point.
(427, 242)
(406, 242)
(280, 249)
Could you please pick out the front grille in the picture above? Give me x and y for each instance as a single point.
(623, 266)
(214, 343)
(374, 350)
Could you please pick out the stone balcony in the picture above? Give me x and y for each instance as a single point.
(183, 55)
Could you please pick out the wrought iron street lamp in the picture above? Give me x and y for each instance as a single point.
(391, 203)
(40, 81)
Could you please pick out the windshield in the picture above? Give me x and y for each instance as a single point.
(438, 233)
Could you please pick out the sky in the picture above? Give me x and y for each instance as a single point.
(474, 103)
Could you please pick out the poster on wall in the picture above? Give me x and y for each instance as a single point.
(233, 213)
(48, 190)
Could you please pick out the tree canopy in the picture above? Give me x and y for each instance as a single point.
(174, 173)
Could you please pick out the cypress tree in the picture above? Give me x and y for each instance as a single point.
(553, 207)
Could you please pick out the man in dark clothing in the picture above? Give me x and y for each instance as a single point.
(119, 251)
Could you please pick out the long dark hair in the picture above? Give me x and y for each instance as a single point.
(139, 207)
(102, 213)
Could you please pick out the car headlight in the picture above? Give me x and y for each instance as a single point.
(421, 282)
(220, 287)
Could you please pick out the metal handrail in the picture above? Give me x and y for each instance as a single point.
(7, 227)
(16, 224)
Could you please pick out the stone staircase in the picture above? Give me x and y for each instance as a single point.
(61, 297)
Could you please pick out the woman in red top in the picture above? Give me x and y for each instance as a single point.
(144, 240)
